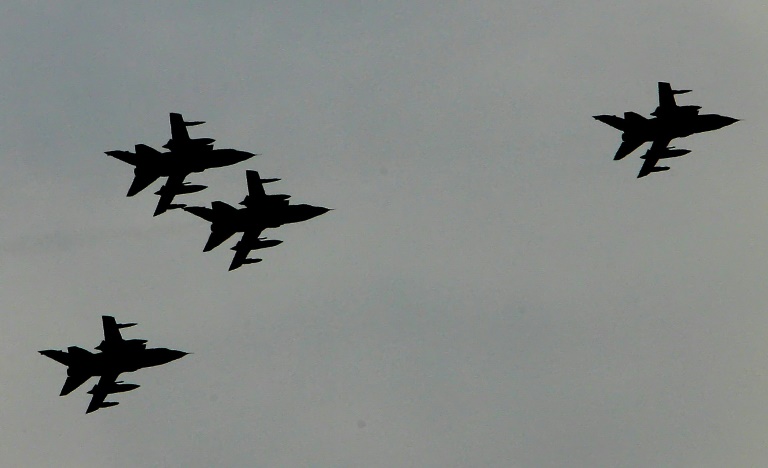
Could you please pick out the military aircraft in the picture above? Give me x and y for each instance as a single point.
(184, 157)
(261, 212)
(669, 121)
(116, 356)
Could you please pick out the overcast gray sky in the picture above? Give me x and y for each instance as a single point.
(491, 289)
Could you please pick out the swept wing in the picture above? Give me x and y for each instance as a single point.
(167, 192)
(100, 393)
(652, 156)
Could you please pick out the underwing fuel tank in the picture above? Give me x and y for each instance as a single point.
(117, 387)
(666, 153)
(259, 244)
(186, 188)
(673, 153)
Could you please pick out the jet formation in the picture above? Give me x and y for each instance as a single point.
(184, 156)
(669, 121)
(116, 356)
(260, 212)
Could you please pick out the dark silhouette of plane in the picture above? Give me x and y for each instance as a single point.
(185, 156)
(115, 357)
(261, 212)
(669, 121)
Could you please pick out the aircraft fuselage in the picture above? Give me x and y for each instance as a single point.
(661, 128)
(111, 362)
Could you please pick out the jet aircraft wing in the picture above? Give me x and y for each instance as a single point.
(141, 180)
(168, 192)
(100, 394)
(651, 157)
(249, 239)
(217, 238)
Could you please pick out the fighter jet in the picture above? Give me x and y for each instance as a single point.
(261, 212)
(186, 156)
(669, 121)
(116, 356)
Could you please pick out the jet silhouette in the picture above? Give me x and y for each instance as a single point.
(669, 121)
(185, 156)
(261, 212)
(115, 357)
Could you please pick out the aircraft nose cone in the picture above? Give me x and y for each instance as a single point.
(173, 355)
(241, 156)
(317, 211)
(722, 121)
